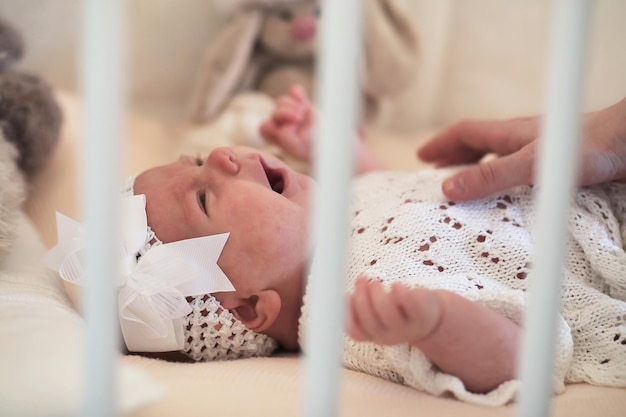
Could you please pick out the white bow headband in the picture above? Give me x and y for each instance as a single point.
(152, 290)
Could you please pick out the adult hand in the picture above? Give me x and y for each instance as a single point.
(603, 150)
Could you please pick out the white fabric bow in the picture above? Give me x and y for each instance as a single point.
(152, 290)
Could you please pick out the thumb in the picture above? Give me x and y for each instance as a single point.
(486, 178)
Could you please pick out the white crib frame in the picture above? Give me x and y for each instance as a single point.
(102, 83)
(103, 59)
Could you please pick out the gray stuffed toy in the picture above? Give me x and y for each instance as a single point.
(30, 122)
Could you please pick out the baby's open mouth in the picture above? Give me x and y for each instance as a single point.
(274, 178)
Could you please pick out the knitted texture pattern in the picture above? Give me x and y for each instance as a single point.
(213, 333)
(403, 229)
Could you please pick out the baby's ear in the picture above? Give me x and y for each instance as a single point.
(258, 312)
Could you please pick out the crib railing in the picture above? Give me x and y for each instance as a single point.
(338, 92)
(559, 141)
(103, 91)
(103, 71)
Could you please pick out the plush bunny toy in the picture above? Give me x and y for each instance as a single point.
(269, 45)
(30, 121)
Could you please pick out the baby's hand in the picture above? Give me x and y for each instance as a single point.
(290, 125)
(400, 315)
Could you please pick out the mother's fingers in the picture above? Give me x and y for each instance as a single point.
(493, 176)
(469, 140)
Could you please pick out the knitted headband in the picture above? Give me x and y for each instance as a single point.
(162, 311)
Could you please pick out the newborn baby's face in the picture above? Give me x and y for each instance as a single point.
(262, 202)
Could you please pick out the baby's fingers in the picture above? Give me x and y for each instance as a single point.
(353, 326)
(269, 130)
(375, 315)
(298, 93)
(392, 320)
(287, 114)
(362, 312)
(289, 110)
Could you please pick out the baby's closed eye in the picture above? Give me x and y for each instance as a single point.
(202, 201)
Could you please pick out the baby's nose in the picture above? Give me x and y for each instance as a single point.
(224, 159)
(304, 28)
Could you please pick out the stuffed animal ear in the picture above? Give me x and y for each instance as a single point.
(224, 63)
(392, 48)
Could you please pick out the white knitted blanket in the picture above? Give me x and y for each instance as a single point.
(403, 229)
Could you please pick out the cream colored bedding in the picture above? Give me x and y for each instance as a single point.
(262, 386)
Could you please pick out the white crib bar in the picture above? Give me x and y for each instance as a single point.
(558, 153)
(337, 92)
(102, 72)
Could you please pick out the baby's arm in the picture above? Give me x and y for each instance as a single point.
(291, 127)
(463, 338)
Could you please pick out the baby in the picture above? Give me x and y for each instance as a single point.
(436, 288)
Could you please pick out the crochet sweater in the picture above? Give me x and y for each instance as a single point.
(403, 229)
